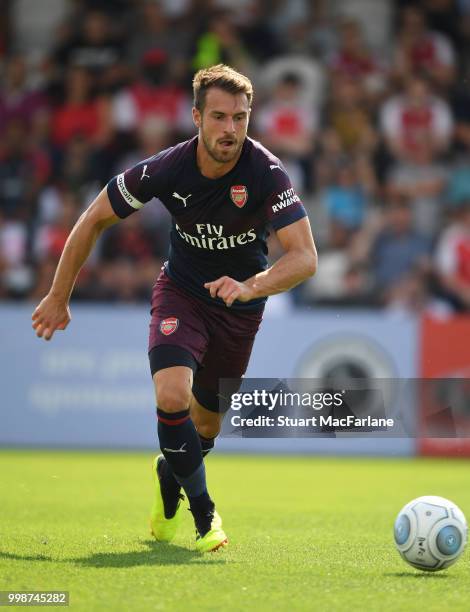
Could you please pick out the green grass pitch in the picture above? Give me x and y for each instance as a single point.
(306, 533)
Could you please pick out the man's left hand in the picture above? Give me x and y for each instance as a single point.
(229, 290)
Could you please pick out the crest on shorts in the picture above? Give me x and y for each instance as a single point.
(239, 195)
(168, 326)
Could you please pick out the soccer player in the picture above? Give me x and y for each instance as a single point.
(223, 190)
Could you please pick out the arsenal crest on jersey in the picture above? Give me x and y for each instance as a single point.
(168, 326)
(239, 195)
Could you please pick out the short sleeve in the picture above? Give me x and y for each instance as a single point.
(130, 190)
(282, 204)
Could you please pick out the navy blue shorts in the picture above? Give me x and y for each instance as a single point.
(219, 339)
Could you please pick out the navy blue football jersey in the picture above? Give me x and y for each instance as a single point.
(219, 226)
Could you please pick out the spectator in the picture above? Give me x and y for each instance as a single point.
(154, 94)
(400, 258)
(23, 172)
(17, 99)
(51, 237)
(348, 116)
(97, 49)
(221, 42)
(416, 120)
(79, 171)
(154, 36)
(419, 49)
(81, 114)
(338, 281)
(355, 60)
(460, 101)
(257, 34)
(459, 184)
(287, 126)
(346, 198)
(81, 167)
(453, 258)
(131, 261)
(422, 180)
(309, 73)
(15, 272)
(48, 243)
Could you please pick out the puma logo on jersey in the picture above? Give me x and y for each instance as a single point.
(272, 166)
(144, 175)
(176, 450)
(177, 195)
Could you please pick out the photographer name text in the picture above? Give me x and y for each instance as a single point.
(349, 421)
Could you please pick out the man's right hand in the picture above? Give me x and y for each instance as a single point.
(50, 315)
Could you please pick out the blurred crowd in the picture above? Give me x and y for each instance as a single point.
(367, 103)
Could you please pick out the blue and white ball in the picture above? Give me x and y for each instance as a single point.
(430, 533)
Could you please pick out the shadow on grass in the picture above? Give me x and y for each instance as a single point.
(158, 553)
(421, 576)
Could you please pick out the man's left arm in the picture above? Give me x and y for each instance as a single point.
(298, 263)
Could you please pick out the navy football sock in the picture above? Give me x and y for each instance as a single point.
(207, 444)
(181, 447)
(172, 486)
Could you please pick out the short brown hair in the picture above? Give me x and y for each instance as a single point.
(221, 76)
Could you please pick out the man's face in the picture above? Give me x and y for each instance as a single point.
(418, 92)
(223, 123)
(413, 21)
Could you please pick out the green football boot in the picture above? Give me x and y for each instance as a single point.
(166, 512)
(209, 533)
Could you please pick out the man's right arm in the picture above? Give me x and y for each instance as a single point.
(53, 312)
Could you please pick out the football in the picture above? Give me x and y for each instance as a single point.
(430, 533)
